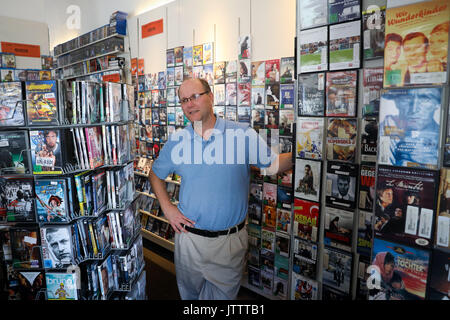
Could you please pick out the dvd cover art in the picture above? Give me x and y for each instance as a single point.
(42, 108)
(272, 96)
(219, 94)
(287, 96)
(245, 47)
(307, 179)
(372, 85)
(287, 66)
(311, 94)
(345, 45)
(244, 75)
(341, 94)
(231, 68)
(219, 111)
(367, 187)
(271, 119)
(25, 285)
(244, 114)
(365, 233)
(272, 71)
(398, 272)
(170, 58)
(337, 269)
(369, 139)
(11, 109)
(231, 113)
(305, 258)
(231, 94)
(187, 57)
(219, 72)
(341, 184)
(57, 251)
(416, 44)
(282, 245)
(46, 155)
(310, 138)
(255, 202)
(268, 241)
(258, 118)
(338, 228)
(442, 238)
(439, 284)
(362, 291)
(306, 219)
(343, 10)
(178, 56)
(178, 75)
(244, 94)
(95, 146)
(258, 73)
(17, 199)
(283, 221)
(61, 286)
(286, 122)
(208, 53)
(313, 13)
(374, 20)
(14, 157)
(197, 55)
(25, 248)
(341, 139)
(208, 74)
(258, 96)
(409, 127)
(313, 50)
(304, 288)
(51, 204)
(406, 205)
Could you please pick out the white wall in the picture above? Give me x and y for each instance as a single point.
(192, 22)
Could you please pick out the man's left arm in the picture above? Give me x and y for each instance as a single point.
(282, 163)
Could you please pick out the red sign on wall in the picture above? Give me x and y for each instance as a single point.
(23, 50)
(152, 28)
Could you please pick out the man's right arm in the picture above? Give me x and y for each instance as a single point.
(175, 217)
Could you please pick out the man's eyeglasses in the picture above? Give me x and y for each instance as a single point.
(193, 97)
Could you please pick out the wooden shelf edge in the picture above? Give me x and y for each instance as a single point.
(169, 245)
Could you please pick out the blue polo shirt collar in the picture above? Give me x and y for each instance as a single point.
(219, 125)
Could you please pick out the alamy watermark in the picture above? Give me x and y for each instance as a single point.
(74, 19)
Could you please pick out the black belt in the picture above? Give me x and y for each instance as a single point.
(214, 234)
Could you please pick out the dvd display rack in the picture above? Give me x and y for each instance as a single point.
(69, 211)
(376, 167)
(94, 53)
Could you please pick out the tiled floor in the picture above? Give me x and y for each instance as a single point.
(161, 281)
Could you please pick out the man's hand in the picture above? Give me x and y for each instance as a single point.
(176, 218)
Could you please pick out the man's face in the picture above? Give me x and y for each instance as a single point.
(387, 196)
(415, 51)
(392, 52)
(51, 139)
(343, 185)
(200, 109)
(420, 105)
(307, 171)
(59, 243)
(438, 45)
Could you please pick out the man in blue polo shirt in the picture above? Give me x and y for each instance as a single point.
(213, 158)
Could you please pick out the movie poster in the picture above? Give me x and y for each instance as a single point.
(310, 138)
(341, 139)
(410, 127)
(416, 44)
(345, 45)
(406, 205)
(307, 179)
(306, 219)
(272, 71)
(373, 20)
(341, 184)
(313, 50)
(311, 94)
(372, 85)
(406, 277)
(313, 13)
(341, 94)
(42, 108)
